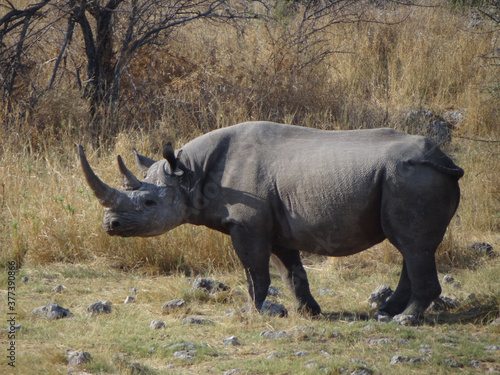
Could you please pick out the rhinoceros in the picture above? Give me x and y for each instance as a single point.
(280, 189)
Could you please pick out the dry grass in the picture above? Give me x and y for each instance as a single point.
(214, 75)
(210, 76)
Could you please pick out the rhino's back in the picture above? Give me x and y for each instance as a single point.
(270, 142)
(307, 184)
(273, 152)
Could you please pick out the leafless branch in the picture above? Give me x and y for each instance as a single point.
(69, 36)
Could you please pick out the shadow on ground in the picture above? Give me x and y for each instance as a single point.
(482, 313)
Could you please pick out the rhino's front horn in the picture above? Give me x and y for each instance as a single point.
(107, 195)
(130, 182)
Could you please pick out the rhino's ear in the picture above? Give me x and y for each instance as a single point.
(172, 159)
(169, 154)
(142, 162)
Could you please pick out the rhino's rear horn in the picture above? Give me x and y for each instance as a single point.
(142, 162)
(107, 195)
(129, 182)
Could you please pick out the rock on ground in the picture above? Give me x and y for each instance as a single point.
(402, 359)
(51, 311)
(173, 305)
(451, 363)
(59, 288)
(273, 335)
(78, 358)
(181, 346)
(381, 294)
(443, 303)
(383, 317)
(361, 371)
(156, 324)
(190, 320)
(128, 300)
(325, 291)
(448, 279)
(101, 307)
(232, 340)
(406, 320)
(183, 354)
(483, 248)
(492, 347)
(496, 322)
(209, 285)
(274, 309)
(302, 353)
(273, 291)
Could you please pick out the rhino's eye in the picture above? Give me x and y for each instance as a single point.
(150, 203)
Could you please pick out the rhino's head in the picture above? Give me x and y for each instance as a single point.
(142, 208)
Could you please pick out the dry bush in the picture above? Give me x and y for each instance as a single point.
(210, 76)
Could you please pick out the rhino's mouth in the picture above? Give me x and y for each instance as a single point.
(115, 228)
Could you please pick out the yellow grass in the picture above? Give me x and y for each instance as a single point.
(210, 76)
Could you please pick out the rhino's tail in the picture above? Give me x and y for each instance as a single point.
(454, 171)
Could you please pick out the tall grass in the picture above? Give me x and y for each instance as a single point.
(211, 76)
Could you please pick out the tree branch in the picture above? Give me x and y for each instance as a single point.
(69, 36)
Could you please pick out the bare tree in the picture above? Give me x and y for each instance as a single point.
(113, 31)
(20, 26)
(308, 39)
(123, 27)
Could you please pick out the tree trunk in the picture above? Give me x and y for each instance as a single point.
(100, 64)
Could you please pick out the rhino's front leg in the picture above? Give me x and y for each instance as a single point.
(254, 251)
(294, 275)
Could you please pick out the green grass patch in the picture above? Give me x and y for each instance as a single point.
(122, 342)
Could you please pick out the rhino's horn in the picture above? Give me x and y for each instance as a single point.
(107, 195)
(142, 162)
(130, 182)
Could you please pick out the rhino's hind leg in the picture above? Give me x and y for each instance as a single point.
(400, 298)
(294, 276)
(415, 212)
(424, 282)
(419, 284)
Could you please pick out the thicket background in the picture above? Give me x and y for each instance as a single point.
(325, 64)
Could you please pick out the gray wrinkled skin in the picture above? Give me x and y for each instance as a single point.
(280, 189)
(155, 208)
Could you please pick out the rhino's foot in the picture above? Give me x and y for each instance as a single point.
(408, 320)
(310, 308)
(393, 306)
